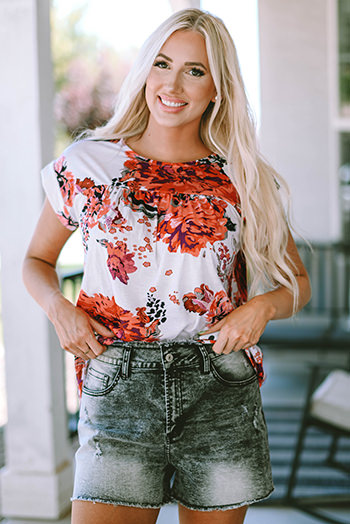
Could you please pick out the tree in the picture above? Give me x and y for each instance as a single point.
(87, 76)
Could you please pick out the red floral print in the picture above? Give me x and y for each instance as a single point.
(190, 223)
(190, 177)
(219, 307)
(240, 277)
(119, 261)
(174, 299)
(66, 220)
(66, 181)
(97, 201)
(162, 245)
(122, 322)
(204, 301)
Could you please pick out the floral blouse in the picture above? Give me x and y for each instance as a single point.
(162, 258)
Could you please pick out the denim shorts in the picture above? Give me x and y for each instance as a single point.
(168, 422)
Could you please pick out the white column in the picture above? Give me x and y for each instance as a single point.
(37, 479)
(295, 129)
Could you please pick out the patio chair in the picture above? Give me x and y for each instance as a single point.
(327, 407)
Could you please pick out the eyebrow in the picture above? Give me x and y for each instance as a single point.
(186, 63)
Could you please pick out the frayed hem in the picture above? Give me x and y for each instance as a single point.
(174, 500)
(222, 507)
(120, 503)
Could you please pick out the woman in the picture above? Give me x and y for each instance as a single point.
(173, 200)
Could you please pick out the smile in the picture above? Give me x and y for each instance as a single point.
(169, 103)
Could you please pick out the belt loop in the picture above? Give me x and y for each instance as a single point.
(126, 362)
(205, 359)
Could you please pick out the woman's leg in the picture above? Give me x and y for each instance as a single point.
(229, 516)
(84, 512)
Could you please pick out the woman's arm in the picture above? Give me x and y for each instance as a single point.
(244, 326)
(280, 301)
(74, 328)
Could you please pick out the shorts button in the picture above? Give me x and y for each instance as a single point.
(169, 357)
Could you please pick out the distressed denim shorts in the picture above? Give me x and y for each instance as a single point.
(168, 422)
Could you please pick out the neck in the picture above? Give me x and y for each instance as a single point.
(169, 144)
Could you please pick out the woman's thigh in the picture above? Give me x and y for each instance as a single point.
(84, 512)
(230, 516)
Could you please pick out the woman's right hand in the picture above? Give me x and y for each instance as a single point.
(76, 329)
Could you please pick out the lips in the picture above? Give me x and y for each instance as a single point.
(172, 102)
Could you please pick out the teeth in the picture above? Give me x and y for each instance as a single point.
(172, 104)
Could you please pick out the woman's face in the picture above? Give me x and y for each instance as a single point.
(179, 86)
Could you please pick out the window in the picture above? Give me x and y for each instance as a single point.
(344, 57)
(344, 149)
(343, 116)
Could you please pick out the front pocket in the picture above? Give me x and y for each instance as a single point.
(100, 377)
(233, 369)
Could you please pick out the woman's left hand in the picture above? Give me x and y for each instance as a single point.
(243, 327)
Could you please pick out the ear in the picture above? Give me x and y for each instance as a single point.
(214, 99)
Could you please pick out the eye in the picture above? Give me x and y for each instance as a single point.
(195, 71)
(161, 64)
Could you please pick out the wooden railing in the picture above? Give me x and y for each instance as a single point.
(71, 283)
(325, 320)
(328, 266)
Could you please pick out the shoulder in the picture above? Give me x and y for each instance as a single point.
(89, 154)
(86, 147)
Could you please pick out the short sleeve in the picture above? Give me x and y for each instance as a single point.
(59, 185)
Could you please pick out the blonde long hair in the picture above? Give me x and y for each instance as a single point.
(227, 127)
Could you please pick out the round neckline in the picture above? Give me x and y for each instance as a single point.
(145, 159)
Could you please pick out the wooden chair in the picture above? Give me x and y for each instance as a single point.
(327, 407)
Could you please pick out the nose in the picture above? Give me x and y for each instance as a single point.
(174, 82)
